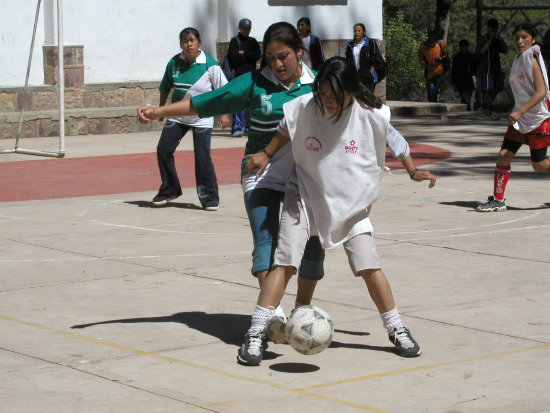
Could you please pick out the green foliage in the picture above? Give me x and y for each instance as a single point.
(405, 77)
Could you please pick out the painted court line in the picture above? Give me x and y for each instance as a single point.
(306, 391)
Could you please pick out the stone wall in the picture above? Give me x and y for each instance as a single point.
(92, 109)
(96, 108)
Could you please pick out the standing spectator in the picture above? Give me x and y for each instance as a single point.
(190, 73)
(431, 53)
(491, 76)
(366, 56)
(244, 51)
(313, 54)
(464, 72)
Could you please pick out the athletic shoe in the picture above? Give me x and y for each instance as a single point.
(237, 134)
(492, 205)
(252, 349)
(275, 326)
(210, 207)
(163, 200)
(404, 343)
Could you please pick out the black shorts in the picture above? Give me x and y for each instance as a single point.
(537, 155)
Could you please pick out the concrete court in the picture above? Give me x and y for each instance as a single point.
(109, 305)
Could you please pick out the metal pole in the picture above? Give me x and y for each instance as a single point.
(61, 81)
(28, 72)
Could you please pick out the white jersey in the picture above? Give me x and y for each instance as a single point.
(213, 78)
(521, 80)
(338, 165)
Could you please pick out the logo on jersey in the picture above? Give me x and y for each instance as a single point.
(351, 148)
(313, 144)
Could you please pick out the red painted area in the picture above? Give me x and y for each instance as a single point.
(117, 174)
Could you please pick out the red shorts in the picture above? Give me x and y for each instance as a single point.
(538, 138)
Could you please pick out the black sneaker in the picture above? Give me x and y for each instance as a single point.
(252, 349)
(492, 205)
(163, 200)
(404, 343)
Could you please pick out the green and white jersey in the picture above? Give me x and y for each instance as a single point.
(263, 95)
(191, 79)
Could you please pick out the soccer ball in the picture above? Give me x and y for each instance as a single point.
(309, 329)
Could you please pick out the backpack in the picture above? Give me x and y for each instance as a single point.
(446, 62)
(229, 71)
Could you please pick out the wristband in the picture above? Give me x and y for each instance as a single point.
(413, 172)
(268, 155)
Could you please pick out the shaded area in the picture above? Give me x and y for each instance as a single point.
(229, 328)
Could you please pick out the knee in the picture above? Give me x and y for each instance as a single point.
(540, 166)
(505, 157)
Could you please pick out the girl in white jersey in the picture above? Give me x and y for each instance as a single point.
(338, 134)
(529, 121)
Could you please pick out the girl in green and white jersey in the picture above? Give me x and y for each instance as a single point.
(282, 78)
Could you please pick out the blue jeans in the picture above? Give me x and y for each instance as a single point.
(432, 85)
(263, 208)
(205, 175)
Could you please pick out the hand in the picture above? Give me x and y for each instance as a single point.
(420, 176)
(258, 160)
(147, 114)
(225, 121)
(513, 117)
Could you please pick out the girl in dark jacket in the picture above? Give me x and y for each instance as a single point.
(314, 55)
(366, 56)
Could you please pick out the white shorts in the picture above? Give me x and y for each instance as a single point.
(294, 233)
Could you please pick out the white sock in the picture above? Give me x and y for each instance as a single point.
(259, 319)
(391, 320)
(279, 311)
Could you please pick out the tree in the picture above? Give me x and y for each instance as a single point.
(443, 17)
(405, 78)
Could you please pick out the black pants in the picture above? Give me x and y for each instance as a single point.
(205, 175)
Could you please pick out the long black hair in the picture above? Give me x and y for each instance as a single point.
(341, 76)
(282, 32)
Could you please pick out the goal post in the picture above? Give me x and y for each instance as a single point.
(60, 89)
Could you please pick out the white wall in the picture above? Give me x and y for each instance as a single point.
(132, 40)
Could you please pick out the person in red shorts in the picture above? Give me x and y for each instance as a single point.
(529, 121)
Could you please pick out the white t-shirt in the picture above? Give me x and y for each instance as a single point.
(306, 58)
(356, 50)
(521, 81)
(338, 165)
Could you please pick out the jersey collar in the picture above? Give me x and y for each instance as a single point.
(306, 78)
(200, 60)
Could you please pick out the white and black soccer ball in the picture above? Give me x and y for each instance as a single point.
(309, 329)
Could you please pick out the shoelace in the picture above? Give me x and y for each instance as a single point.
(403, 338)
(255, 344)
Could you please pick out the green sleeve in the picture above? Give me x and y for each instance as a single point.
(167, 81)
(232, 97)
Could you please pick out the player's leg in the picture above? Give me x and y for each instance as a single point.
(496, 202)
(205, 174)
(262, 207)
(311, 271)
(171, 136)
(539, 161)
(364, 262)
(293, 236)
